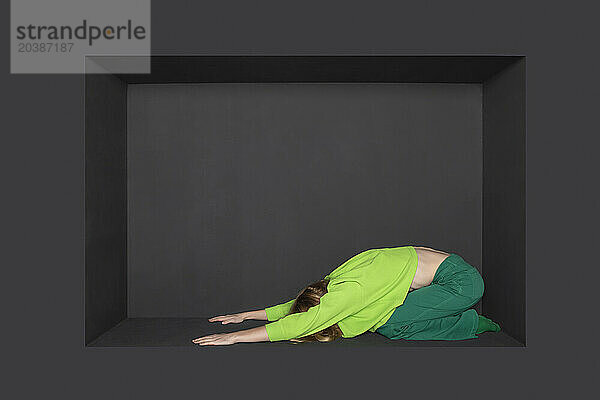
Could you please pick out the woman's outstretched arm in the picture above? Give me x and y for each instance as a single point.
(260, 315)
(258, 334)
(272, 313)
(240, 317)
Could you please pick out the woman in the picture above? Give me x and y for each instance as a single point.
(408, 292)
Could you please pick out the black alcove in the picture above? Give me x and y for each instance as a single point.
(220, 184)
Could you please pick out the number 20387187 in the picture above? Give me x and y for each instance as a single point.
(45, 47)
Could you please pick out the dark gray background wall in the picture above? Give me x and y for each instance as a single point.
(241, 194)
(42, 206)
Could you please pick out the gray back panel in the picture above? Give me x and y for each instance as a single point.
(241, 194)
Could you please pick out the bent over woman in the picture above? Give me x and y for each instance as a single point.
(408, 292)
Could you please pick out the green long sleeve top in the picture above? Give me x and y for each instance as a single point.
(361, 296)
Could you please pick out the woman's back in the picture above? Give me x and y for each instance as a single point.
(385, 276)
(378, 271)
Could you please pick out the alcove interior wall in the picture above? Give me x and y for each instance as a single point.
(217, 184)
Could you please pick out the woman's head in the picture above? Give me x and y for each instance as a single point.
(310, 297)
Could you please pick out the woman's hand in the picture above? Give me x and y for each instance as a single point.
(218, 339)
(229, 318)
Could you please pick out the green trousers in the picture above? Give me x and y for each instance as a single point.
(442, 310)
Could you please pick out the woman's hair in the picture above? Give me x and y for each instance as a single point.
(309, 297)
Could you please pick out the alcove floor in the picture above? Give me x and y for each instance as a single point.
(178, 332)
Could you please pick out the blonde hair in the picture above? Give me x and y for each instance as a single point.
(310, 297)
